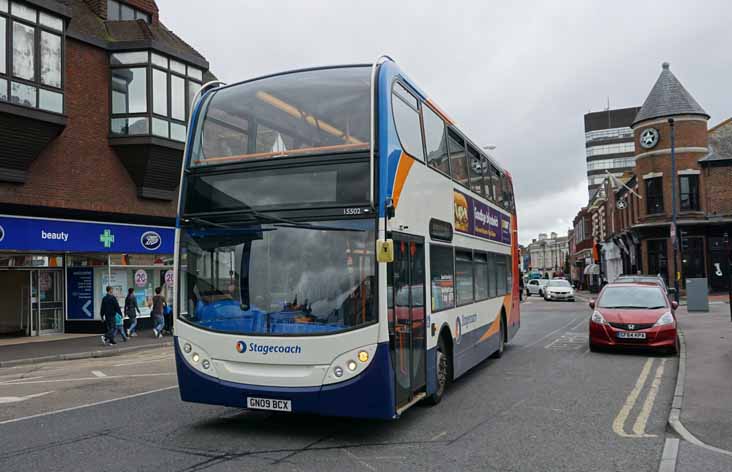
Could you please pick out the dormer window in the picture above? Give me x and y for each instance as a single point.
(31, 52)
(118, 11)
(151, 95)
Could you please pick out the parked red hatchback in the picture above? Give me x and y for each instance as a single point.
(633, 315)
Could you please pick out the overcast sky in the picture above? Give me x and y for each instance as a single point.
(519, 75)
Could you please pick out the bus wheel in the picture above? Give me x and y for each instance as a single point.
(501, 341)
(442, 372)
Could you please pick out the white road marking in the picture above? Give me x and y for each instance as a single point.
(87, 405)
(619, 421)
(639, 428)
(78, 379)
(21, 379)
(580, 324)
(547, 335)
(4, 400)
(359, 460)
(98, 373)
(438, 436)
(144, 361)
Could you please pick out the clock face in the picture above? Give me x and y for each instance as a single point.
(621, 204)
(649, 138)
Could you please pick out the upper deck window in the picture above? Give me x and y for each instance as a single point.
(315, 111)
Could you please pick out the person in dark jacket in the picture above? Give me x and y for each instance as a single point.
(158, 311)
(110, 307)
(131, 311)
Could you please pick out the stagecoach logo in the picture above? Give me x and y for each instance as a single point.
(265, 349)
(2, 233)
(458, 330)
(151, 240)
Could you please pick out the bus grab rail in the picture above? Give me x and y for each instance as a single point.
(379, 60)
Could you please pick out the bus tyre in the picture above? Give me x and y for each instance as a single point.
(442, 372)
(501, 342)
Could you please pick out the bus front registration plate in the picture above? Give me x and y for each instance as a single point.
(272, 404)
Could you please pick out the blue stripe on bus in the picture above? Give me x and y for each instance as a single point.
(368, 395)
(388, 141)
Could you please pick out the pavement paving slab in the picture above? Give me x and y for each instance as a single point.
(707, 408)
(696, 459)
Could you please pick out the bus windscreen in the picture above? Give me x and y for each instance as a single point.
(314, 111)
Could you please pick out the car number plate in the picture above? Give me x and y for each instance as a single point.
(272, 404)
(627, 335)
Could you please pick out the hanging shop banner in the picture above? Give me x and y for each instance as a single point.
(474, 217)
(80, 296)
(38, 234)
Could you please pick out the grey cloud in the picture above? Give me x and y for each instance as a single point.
(520, 75)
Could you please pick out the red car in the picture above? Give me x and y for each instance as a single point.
(633, 315)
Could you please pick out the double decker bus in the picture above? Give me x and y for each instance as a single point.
(342, 248)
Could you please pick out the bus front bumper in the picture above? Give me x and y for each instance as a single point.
(369, 395)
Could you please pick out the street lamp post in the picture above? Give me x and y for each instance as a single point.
(674, 238)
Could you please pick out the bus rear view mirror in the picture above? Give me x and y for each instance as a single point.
(385, 250)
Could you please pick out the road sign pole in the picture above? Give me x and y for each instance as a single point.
(674, 239)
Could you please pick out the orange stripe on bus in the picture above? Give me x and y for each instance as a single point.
(496, 325)
(405, 164)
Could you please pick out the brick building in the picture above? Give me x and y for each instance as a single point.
(94, 100)
(634, 233)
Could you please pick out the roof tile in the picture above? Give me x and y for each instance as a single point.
(668, 98)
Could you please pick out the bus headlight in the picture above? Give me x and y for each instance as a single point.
(349, 364)
(195, 357)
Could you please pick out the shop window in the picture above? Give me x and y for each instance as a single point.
(689, 192)
(458, 164)
(31, 52)
(654, 195)
(435, 141)
(151, 94)
(441, 277)
(406, 120)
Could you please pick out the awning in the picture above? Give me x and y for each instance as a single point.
(592, 269)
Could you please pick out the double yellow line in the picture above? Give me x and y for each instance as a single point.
(639, 426)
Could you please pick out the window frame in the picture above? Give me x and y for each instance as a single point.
(469, 252)
(447, 174)
(694, 202)
(36, 82)
(476, 255)
(404, 100)
(454, 288)
(657, 196)
(150, 113)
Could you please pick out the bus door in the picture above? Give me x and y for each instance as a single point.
(407, 324)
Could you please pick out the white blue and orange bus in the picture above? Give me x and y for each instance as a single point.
(342, 247)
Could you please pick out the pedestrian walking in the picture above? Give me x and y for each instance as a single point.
(119, 326)
(158, 310)
(131, 312)
(108, 311)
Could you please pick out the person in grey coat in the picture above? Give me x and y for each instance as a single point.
(131, 312)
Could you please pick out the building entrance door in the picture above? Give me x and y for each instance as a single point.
(47, 302)
(15, 296)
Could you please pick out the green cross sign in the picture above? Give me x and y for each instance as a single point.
(107, 238)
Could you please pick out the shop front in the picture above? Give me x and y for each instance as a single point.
(53, 273)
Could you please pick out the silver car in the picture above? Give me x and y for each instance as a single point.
(558, 289)
(536, 287)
